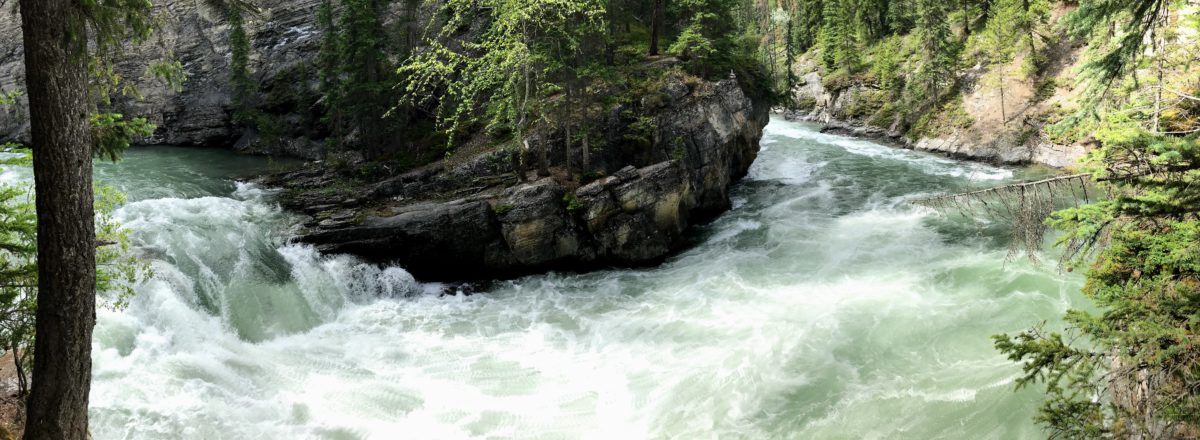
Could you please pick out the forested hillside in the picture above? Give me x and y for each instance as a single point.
(1004, 80)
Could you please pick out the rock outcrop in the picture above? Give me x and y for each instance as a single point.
(476, 219)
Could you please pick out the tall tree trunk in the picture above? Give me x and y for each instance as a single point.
(56, 77)
(656, 20)
(1003, 113)
(567, 139)
(610, 43)
(567, 150)
(543, 157)
(790, 49)
(586, 153)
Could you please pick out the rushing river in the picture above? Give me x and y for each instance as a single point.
(822, 306)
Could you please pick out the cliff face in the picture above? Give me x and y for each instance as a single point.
(478, 219)
(284, 41)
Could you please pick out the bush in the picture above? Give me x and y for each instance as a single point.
(804, 103)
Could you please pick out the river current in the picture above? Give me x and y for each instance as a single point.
(823, 306)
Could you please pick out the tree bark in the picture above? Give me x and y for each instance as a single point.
(586, 153)
(56, 77)
(656, 19)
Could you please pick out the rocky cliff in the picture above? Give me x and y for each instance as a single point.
(284, 43)
(486, 216)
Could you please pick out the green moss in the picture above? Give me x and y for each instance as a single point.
(573, 203)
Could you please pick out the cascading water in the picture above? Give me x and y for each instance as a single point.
(822, 306)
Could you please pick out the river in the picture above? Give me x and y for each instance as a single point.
(822, 306)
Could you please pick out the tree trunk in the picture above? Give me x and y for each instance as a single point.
(586, 154)
(567, 149)
(610, 43)
(655, 22)
(543, 158)
(22, 380)
(1003, 113)
(790, 49)
(56, 77)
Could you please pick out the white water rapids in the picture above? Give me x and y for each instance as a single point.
(822, 306)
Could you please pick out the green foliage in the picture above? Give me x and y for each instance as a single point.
(1117, 30)
(111, 133)
(503, 77)
(709, 40)
(888, 61)
(244, 88)
(864, 103)
(1044, 88)
(573, 203)
(949, 117)
(117, 269)
(1012, 26)
(1139, 371)
(10, 97)
(642, 131)
(805, 103)
(937, 55)
(110, 27)
(838, 38)
(680, 150)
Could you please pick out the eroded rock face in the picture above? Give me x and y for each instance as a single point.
(486, 223)
(284, 43)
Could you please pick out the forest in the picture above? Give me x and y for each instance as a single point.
(480, 144)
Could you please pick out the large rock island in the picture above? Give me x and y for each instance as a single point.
(486, 216)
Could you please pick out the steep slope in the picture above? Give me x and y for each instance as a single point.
(996, 112)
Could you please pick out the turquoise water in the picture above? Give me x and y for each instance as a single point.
(823, 306)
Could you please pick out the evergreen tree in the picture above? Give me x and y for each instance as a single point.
(937, 57)
(64, 41)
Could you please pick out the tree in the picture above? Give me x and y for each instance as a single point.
(353, 73)
(507, 72)
(656, 23)
(57, 81)
(116, 269)
(938, 56)
(1140, 375)
(64, 41)
(839, 45)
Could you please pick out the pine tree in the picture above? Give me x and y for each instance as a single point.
(62, 39)
(938, 56)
